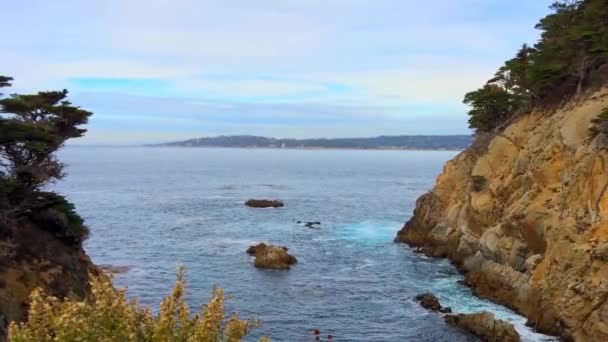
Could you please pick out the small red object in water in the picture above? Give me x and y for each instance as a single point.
(317, 332)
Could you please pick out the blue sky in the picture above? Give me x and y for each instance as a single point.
(160, 70)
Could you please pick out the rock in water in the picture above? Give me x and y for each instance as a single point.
(313, 225)
(486, 326)
(264, 203)
(429, 301)
(271, 257)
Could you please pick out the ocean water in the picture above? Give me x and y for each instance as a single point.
(153, 209)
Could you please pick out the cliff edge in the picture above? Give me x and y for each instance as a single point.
(34, 258)
(524, 213)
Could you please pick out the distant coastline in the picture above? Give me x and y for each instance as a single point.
(404, 142)
(312, 148)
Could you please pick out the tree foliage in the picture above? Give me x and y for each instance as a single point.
(32, 128)
(5, 82)
(573, 46)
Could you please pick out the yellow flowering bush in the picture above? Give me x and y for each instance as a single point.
(110, 316)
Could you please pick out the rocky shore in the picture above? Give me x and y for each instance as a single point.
(524, 213)
(483, 325)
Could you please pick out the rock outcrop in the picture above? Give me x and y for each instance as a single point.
(524, 213)
(263, 203)
(485, 326)
(31, 258)
(429, 301)
(271, 257)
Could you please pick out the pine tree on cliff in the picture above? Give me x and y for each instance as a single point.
(573, 47)
(32, 128)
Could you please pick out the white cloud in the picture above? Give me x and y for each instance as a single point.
(390, 57)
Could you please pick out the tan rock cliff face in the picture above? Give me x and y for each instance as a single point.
(530, 230)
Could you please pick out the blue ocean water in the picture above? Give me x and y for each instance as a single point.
(153, 209)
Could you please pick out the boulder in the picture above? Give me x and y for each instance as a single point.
(271, 257)
(485, 326)
(264, 203)
(429, 301)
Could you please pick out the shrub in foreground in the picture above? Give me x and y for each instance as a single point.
(110, 316)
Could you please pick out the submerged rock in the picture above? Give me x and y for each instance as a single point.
(264, 203)
(114, 269)
(486, 326)
(271, 257)
(313, 225)
(429, 301)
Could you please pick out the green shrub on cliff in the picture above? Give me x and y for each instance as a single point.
(57, 215)
(573, 48)
(109, 316)
(600, 127)
(32, 128)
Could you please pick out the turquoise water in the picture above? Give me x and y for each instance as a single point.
(153, 209)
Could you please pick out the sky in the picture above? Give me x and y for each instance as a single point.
(163, 70)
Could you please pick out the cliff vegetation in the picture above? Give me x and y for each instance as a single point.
(571, 56)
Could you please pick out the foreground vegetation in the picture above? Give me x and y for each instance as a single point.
(109, 316)
(570, 56)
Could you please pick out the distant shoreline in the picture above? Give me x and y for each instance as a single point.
(384, 142)
(304, 148)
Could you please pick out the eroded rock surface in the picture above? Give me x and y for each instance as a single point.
(524, 213)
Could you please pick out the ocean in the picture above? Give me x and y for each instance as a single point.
(154, 209)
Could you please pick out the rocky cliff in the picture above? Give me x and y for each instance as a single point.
(524, 213)
(31, 258)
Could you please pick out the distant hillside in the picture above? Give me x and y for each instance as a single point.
(406, 142)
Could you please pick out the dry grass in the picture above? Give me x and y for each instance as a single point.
(110, 316)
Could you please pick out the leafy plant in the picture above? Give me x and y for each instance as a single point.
(109, 316)
(54, 213)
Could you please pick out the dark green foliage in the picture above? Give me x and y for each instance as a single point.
(491, 105)
(600, 127)
(57, 215)
(573, 46)
(32, 128)
(478, 183)
(5, 82)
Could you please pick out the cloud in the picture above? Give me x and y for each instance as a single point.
(302, 67)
